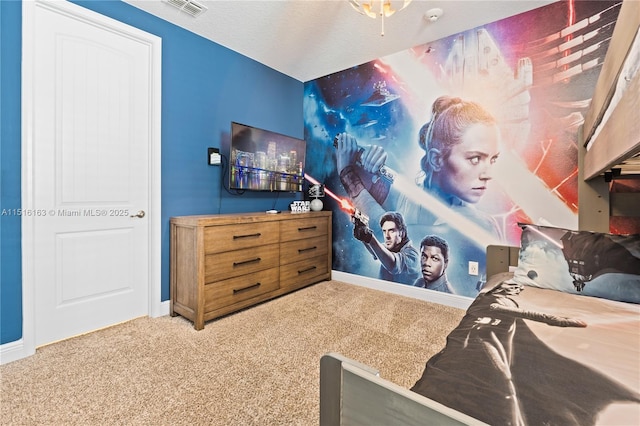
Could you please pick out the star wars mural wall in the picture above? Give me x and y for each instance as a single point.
(431, 154)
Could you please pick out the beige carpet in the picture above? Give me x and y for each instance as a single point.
(256, 367)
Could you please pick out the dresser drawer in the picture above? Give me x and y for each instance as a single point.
(221, 266)
(295, 251)
(225, 238)
(311, 270)
(227, 292)
(298, 229)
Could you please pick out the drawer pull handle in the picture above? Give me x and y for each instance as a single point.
(307, 249)
(308, 228)
(240, 290)
(237, 237)
(307, 270)
(244, 262)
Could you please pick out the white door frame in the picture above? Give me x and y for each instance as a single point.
(155, 306)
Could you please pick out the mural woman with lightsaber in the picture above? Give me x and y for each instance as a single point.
(461, 144)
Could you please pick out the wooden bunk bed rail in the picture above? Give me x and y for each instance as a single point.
(354, 394)
(619, 136)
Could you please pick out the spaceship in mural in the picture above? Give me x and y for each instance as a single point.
(475, 63)
(381, 95)
(365, 121)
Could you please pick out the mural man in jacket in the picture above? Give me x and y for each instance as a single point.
(399, 259)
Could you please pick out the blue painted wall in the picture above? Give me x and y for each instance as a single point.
(204, 87)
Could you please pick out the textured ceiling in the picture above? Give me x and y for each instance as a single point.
(307, 39)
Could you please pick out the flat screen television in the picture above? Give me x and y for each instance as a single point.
(261, 160)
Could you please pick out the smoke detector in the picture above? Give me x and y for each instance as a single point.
(432, 15)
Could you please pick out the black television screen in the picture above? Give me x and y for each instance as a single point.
(261, 160)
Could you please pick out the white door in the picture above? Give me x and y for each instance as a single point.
(92, 124)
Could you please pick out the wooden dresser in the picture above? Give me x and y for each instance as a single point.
(223, 263)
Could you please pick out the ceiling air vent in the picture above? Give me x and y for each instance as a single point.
(188, 6)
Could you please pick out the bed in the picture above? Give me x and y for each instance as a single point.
(553, 338)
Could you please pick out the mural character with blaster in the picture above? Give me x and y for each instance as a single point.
(399, 259)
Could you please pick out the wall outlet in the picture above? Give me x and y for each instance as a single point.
(473, 268)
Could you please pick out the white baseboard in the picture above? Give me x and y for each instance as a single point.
(460, 302)
(13, 351)
(160, 310)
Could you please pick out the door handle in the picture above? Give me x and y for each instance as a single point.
(140, 214)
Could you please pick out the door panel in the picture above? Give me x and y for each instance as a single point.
(80, 262)
(92, 140)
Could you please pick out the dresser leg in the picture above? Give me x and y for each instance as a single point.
(198, 324)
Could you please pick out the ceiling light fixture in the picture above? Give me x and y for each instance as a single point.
(385, 8)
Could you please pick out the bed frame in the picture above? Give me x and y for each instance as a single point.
(611, 130)
(352, 393)
(611, 127)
